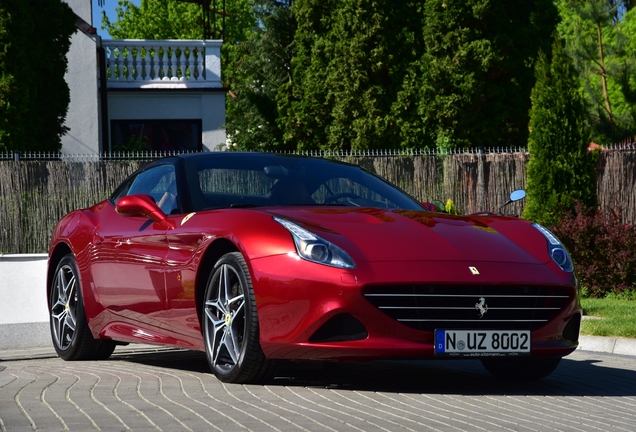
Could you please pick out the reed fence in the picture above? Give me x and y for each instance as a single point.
(37, 190)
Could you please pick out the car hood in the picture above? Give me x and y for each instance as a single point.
(410, 235)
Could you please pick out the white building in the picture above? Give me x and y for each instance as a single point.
(142, 94)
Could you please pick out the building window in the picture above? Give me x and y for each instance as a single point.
(156, 135)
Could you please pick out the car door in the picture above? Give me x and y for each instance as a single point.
(186, 242)
(131, 283)
(194, 230)
(182, 261)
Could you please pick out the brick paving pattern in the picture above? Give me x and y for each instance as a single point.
(170, 390)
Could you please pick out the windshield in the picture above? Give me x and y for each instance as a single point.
(246, 180)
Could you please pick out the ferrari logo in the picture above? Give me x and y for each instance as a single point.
(228, 319)
(481, 307)
(474, 270)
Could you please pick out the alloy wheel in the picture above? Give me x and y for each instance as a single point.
(64, 307)
(225, 318)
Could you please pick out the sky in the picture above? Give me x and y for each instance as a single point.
(109, 7)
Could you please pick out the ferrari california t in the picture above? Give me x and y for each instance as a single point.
(254, 258)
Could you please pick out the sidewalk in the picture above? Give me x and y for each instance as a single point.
(610, 345)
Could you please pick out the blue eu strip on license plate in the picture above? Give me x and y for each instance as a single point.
(482, 342)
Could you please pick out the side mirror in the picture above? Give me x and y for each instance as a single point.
(517, 195)
(141, 205)
(514, 196)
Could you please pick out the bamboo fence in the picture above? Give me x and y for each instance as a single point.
(35, 194)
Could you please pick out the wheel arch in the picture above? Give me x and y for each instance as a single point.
(212, 254)
(60, 251)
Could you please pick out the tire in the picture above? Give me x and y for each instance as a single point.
(71, 336)
(520, 368)
(230, 323)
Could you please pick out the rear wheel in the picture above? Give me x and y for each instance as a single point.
(71, 336)
(520, 368)
(230, 323)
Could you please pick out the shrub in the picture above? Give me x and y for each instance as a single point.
(602, 247)
(450, 208)
(628, 295)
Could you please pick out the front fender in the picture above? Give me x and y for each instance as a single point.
(74, 234)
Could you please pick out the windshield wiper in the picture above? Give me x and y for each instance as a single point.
(242, 205)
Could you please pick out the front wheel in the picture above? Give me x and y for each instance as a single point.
(520, 368)
(230, 323)
(72, 339)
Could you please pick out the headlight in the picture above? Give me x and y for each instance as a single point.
(315, 249)
(556, 249)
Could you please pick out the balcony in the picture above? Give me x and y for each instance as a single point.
(162, 64)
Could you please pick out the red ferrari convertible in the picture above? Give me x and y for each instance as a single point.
(256, 257)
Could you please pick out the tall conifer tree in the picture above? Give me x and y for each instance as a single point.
(470, 87)
(350, 62)
(261, 73)
(385, 74)
(560, 170)
(34, 96)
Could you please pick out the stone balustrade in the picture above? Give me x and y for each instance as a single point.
(157, 64)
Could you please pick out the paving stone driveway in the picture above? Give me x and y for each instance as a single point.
(169, 390)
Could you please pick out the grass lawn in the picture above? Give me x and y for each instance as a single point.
(617, 317)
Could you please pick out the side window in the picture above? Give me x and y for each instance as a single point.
(160, 184)
(122, 191)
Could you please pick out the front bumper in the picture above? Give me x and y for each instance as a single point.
(313, 312)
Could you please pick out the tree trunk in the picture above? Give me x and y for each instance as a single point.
(603, 71)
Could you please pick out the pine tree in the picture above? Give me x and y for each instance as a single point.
(599, 36)
(560, 170)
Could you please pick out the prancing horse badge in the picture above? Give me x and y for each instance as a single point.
(474, 270)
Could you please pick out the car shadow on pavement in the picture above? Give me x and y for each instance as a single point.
(592, 375)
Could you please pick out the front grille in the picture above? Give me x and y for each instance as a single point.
(427, 307)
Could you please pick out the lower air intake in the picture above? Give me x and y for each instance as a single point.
(340, 328)
(572, 328)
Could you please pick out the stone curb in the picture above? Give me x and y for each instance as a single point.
(612, 345)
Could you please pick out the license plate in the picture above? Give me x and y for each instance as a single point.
(482, 342)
